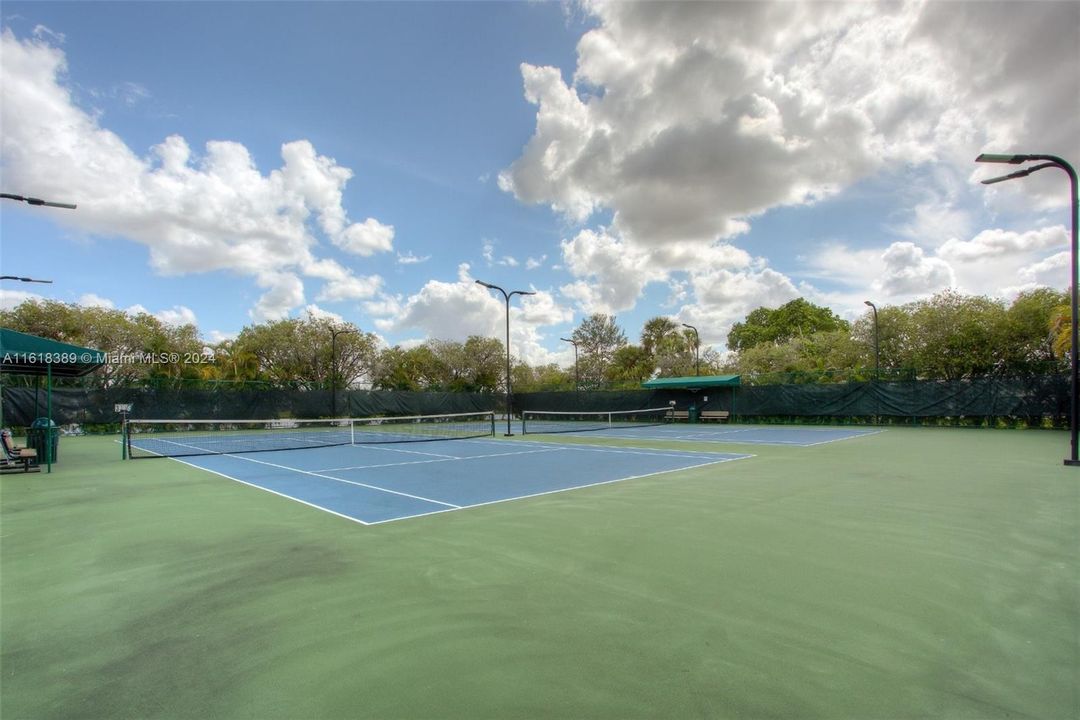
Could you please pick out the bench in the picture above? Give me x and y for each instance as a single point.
(717, 415)
(16, 459)
(684, 415)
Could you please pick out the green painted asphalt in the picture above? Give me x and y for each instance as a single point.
(917, 573)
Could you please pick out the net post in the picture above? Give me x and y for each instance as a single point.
(125, 435)
(352, 432)
(493, 423)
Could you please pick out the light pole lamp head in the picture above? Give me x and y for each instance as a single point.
(1006, 159)
(489, 286)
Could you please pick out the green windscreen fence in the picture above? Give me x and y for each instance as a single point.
(96, 406)
(1039, 399)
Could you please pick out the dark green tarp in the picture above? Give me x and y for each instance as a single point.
(90, 406)
(693, 381)
(22, 354)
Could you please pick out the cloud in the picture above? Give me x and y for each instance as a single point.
(92, 300)
(687, 120)
(314, 311)
(410, 259)
(285, 292)
(177, 315)
(908, 270)
(457, 310)
(488, 253)
(10, 299)
(998, 243)
(195, 212)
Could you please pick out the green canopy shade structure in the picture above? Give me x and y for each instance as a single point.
(22, 354)
(697, 383)
(691, 383)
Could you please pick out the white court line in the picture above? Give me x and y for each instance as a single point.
(633, 450)
(272, 492)
(449, 507)
(445, 458)
(566, 489)
(342, 480)
(372, 446)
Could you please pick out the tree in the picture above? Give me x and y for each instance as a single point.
(1029, 336)
(630, 366)
(797, 318)
(958, 335)
(598, 337)
(542, 378)
(300, 352)
(656, 331)
(139, 345)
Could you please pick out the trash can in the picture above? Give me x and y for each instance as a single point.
(692, 414)
(42, 435)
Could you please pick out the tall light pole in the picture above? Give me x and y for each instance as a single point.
(333, 367)
(37, 201)
(507, 296)
(877, 342)
(577, 378)
(1054, 161)
(697, 346)
(32, 201)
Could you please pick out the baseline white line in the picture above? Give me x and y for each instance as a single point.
(372, 446)
(566, 489)
(272, 492)
(342, 480)
(447, 458)
(633, 450)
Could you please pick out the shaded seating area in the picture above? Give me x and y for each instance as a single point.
(24, 354)
(716, 406)
(15, 458)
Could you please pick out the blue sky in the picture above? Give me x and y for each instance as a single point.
(242, 162)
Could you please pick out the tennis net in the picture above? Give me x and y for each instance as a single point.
(181, 438)
(552, 421)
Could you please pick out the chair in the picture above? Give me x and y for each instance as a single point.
(18, 456)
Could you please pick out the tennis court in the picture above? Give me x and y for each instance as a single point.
(379, 483)
(916, 572)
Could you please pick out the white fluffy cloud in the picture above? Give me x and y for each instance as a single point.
(284, 293)
(999, 243)
(194, 212)
(685, 121)
(908, 271)
(176, 315)
(10, 299)
(456, 310)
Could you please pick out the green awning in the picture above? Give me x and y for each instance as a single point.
(23, 354)
(694, 381)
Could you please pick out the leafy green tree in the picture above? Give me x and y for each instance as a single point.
(598, 338)
(657, 331)
(1029, 337)
(958, 335)
(301, 352)
(131, 339)
(542, 378)
(797, 318)
(629, 367)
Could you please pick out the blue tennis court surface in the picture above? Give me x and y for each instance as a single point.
(750, 434)
(378, 483)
